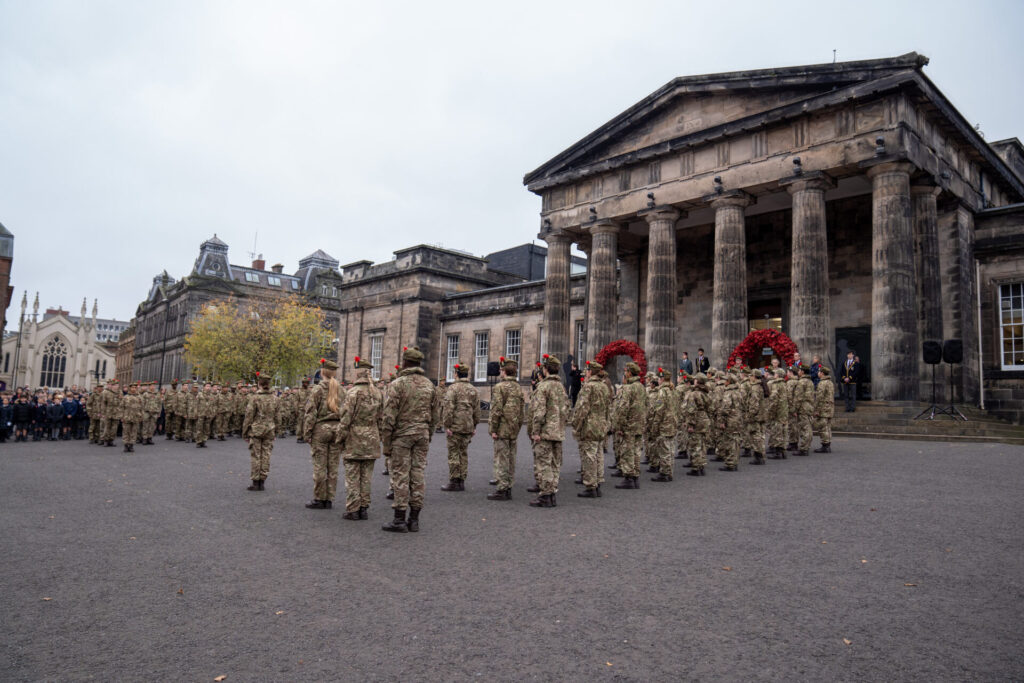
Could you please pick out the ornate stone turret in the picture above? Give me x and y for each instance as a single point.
(213, 259)
(24, 304)
(35, 308)
(95, 310)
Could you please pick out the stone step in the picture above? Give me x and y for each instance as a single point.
(929, 437)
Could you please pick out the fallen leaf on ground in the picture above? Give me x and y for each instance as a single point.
(131, 538)
(181, 591)
(110, 501)
(873, 510)
(51, 516)
(910, 585)
(863, 561)
(847, 641)
(47, 599)
(280, 611)
(949, 550)
(608, 663)
(572, 535)
(220, 678)
(726, 569)
(824, 542)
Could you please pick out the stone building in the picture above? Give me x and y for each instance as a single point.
(6, 261)
(847, 201)
(55, 352)
(124, 356)
(106, 329)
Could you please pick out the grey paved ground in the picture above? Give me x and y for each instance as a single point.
(160, 566)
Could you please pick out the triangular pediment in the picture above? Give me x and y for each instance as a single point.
(692, 104)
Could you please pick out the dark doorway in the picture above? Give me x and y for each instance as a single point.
(858, 340)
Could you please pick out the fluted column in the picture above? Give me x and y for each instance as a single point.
(894, 341)
(926, 242)
(810, 325)
(556, 299)
(660, 319)
(601, 291)
(729, 321)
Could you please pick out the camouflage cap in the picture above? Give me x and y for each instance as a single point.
(461, 369)
(509, 364)
(594, 365)
(700, 378)
(361, 364)
(412, 353)
(326, 364)
(780, 372)
(633, 368)
(824, 372)
(551, 362)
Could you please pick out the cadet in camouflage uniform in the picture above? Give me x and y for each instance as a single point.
(152, 406)
(188, 410)
(628, 421)
(824, 409)
(684, 387)
(651, 387)
(94, 406)
(778, 413)
(506, 419)
(662, 423)
(792, 423)
(205, 410)
(238, 402)
(411, 414)
(172, 421)
(803, 396)
(695, 414)
(318, 426)
(590, 421)
(299, 401)
(730, 421)
(260, 427)
(714, 385)
(548, 415)
(757, 415)
(111, 410)
(359, 440)
(132, 414)
(460, 413)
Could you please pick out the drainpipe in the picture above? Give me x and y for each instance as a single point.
(440, 356)
(981, 364)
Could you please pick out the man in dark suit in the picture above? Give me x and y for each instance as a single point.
(701, 362)
(848, 379)
(686, 365)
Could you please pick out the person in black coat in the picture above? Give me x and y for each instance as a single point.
(54, 418)
(575, 383)
(6, 419)
(41, 424)
(849, 378)
(21, 414)
(701, 362)
(81, 418)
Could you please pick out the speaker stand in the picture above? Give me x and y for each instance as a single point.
(951, 409)
(933, 408)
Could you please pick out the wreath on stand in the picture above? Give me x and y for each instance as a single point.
(750, 348)
(623, 348)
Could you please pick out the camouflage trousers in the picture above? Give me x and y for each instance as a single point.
(458, 460)
(793, 427)
(627, 452)
(823, 425)
(95, 429)
(148, 428)
(109, 430)
(590, 463)
(130, 432)
(358, 475)
(682, 441)
(698, 448)
(505, 463)
(547, 465)
(803, 431)
(326, 456)
(754, 436)
(220, 425)
(408, 460)
(729, 445)
(202, 429)
(171, 424)
(236, 422)
(259, 456)
(661, 452)
(188, 428)
(778, 434)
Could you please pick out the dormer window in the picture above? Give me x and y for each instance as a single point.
(273, 281)
(252, 277)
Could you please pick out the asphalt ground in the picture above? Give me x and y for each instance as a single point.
(886, 560)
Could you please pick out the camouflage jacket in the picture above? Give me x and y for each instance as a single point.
(507, 409)
(151, 399)
(730, 410)
(413, 407)
(170, 400)
(110, 407)
(260, 416)
(803, 397)
(132, 408)
(778, 402)
(206, 405)
(549, 410)
(694, 411)
(662, 412)
(92, 405)
(825, 398)
(630, 408)
(460, 411)
(753, 397)
(316, 410)
(683, 389)
(591, 418)
(361, 418)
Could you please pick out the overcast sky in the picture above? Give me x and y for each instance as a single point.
(132, 131)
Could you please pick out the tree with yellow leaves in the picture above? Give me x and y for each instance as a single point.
(231, 340)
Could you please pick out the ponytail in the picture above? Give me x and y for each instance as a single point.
(333, 391)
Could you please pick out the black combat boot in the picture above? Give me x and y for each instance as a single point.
(390, 495)
(533, 489)
(316, 505)
(791, 446)
(598, 490)
(363, 514)
(414, 520)
(543, 501)
(628, 483)
(804, 452)
(681, 456)
(729, 468)
(170, 437)
(126, 449)
(500, 494)
(662, 477)
(493, 482)
(220, 438)
(758, 459)
(110, 443)
(299, 440)
(452, 485)
(617, 473)
(746, 453)
(654, 469)
(825, 448)
(587, 493)
(354, 515)
(645, 461)
(397, 524)
(262, 483)
(254, 487)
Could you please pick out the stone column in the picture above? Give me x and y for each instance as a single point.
(929, 280)
(729, 322)
(810, 323)
(603, 301)
(627, 322)
(894, 342)
(660, 319)
(556, 296)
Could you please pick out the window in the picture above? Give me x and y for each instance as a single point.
(334, 292)
(55, 358)
(542, 341)
(480, 366)
(453, 357)
(376, 354)
(1011, 325)
(273, 281)
(295, 284)
(252, 277)
(580, 339)
(7, 360)
(104, 368)
(512, 345)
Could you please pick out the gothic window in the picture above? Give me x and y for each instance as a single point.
(55, 359)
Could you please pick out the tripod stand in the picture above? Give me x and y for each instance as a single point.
(934, 409)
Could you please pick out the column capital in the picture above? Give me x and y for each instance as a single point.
(810, 180)
(887, 164)
(553, 238)
(728, 198)
(661, 213)
(603, 227)
(924, 186)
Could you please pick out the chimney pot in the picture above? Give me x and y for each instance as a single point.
(277, 268)
(259, 264)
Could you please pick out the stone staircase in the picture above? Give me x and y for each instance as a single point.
(895, 420)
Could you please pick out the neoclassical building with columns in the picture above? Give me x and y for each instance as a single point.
(838, 202)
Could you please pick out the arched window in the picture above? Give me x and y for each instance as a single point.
(55, 359)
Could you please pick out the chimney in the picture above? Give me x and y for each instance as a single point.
(259, 263)
(277, 268)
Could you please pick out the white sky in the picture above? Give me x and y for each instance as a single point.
(132, 131)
